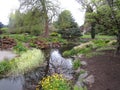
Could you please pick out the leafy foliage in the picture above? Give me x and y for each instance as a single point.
(101, 17)
(54, 82)
(20, 65)
(87, 47)
(27, 61)
(5, 67)
(47, 10)
(70, 33)
(26, 22)
(80, 88)
(65, 21)
(20, 47)
(76, 64)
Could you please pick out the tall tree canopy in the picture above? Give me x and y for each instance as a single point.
(65, 20)
(103, 16)
(67, 26)
(115, 14)
(46, 7)
(29, 22)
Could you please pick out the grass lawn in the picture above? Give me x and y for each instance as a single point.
(99, 36)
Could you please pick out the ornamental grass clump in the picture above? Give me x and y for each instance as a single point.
(27, 61)
(54, 82)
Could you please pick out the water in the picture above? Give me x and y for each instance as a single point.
(29, 80)
(61, 65)
(12, 83)
(23, 82)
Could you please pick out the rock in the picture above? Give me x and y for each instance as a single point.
(76, 57)
(6, 55)
(89, 80)
(84, 75)
(78, 70)
(84, 63)
(79, 82)
(79, 55)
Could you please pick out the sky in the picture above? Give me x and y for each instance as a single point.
(7, 7)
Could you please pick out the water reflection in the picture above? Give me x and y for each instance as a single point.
(23, 82)
(12, 83)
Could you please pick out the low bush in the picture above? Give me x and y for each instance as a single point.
(100, 43)
(20, 65)
(5, 67)
(79, 88)
(77, 51)
(27, 61)
(54, 82)
(20, 47)
(22, 37)
(76, 64)
(85, 48)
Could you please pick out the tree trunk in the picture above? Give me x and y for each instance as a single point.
(118, 43)
(46, 34)
(93, 31)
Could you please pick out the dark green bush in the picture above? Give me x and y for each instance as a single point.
(70, 33)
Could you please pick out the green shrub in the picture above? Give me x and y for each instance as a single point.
(54, 82)
(4, 30)
(70, 33)
(76, 64)
(100, 43)
(76, 51)
(79, 88)
(27, 61)
(55, 34)
(20, 65)
(5, 67)
(20, 47)
(57, 39)
(22, 37)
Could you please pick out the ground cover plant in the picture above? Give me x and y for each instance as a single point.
(25, 62)
(54, 82)
(86, 48)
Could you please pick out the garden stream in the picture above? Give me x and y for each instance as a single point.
(31, 79)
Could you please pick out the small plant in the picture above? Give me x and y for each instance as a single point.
(20, 65)
(5, 66)
(20, 47)
(27, 61)
(54, 82)
(76, 64)
(100, 43)
(79, 88)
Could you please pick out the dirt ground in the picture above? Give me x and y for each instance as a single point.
(106, 70)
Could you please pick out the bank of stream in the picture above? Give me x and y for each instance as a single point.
(29, 80)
